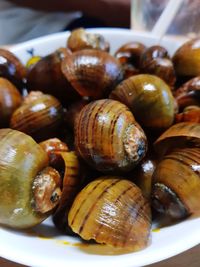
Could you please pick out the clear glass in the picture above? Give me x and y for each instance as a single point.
(145, 14)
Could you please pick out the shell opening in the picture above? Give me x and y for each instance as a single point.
(135, 143)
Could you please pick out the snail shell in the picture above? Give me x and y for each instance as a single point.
(183, 134)
(149, 98)
(190, 114)
(108, 138)
(129, 56)
(29, 189)
(176, 184)
(80, 39)
(39, 117)
(188, 94)
(46, 76)
(187, 59)
(11, 68)
(112, 211)
(92, 72)
(10, 99)
(155, 60)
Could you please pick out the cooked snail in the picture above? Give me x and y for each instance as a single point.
(184, 134)
(108, 138)
(10, 100)
(190, 114)
(112, 211)
(46, 76)
(39, 116)
(129, 56)
(92, 73)
(176, 184)
(149, 98)
(80, 39)
(11, 68)
(29, 189)
(188, 94)
(187, 59)
(155, 60)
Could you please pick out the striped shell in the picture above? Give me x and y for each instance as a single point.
(92, 72)
(176, 183)
(108, 138)
(39, 118)
(182, 134)
(71, 185)
(112, 211)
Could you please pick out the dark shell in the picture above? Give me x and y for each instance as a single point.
(12, 69)
(40, 118)
(92, 72)
(46, 76)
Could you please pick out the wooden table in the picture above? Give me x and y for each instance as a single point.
(189, 258)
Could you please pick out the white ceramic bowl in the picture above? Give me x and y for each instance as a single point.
(43, 246)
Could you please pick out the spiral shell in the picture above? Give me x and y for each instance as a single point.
(107, 136)
(149, 98)
(176, 184)
(25, 181)
(112, 211)
(40, 117)
(92, 72)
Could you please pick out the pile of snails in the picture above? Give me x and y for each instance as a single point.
(99, 141)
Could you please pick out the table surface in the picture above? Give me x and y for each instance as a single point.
(189, 258)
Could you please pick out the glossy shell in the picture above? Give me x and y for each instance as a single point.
(129, 56)
(149, 98)
(40, 118)
(72, 183)
(92, 72)
(188, 94)
(187, 59)
(155, 60)
(21, 159)
(10, 100)
(81, 39)
(108, 138)
(46, 76)
(11, 68)
(182, 134)
(112, 211)
(190, 115)
(176, 184)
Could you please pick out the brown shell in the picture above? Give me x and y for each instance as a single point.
(81, 39)
(11, 68)
(179, 135)
(187, 59)
(149, 98)
(92, 72)
(155, 60)
(191, 115)
(142, 175)
(40, 118)
(108, 138)
(176, 183)
(72, 182)
(46, 76)
(188, 94)
(112, 211)
(52, 147)
(129, 56)
(10, 100)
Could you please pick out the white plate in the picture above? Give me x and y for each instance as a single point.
(43, 246)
